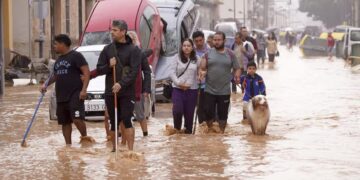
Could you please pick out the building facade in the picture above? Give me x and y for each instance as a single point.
(29, 26)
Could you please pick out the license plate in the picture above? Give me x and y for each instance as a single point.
(94, 107)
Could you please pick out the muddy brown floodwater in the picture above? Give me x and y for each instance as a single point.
(313, 134)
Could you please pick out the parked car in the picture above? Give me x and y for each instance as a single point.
(180, 19)
(141, 16)
(230, 30)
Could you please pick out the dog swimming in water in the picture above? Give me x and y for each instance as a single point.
(258, 114)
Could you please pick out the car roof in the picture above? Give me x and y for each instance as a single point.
(107, 10)
(91, 48)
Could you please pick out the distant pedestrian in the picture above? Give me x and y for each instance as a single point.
(245, 35)
(271, 46)
(70, 88)
(261, 42)
(184, 73)
(330, 45)
(219, 65)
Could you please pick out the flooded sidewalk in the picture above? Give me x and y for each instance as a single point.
(313, 133)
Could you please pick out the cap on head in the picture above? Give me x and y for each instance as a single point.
(121, 24)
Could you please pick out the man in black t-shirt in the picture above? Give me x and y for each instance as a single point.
(70, 89)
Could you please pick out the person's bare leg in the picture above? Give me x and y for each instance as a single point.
(143, 125)
(130, 137)
(123, 134)
(67, 129)
(81, 126)
(107, 126)
(112, 138)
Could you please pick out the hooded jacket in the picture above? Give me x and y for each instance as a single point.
(128, 57)
(253, 86)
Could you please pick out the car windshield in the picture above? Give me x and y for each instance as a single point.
(94, 38)
(172, 44)
(91, 58)
(228, 30)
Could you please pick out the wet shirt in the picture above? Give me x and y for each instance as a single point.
(67, 71)
(219, 71)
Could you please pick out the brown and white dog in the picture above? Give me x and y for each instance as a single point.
(258, 114)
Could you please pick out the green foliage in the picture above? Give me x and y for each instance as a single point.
(330, 12)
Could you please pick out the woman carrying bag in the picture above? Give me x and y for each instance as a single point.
(184, 75)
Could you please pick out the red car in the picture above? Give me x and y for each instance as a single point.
(141, 16)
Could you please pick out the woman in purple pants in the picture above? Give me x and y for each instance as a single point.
(184, 73)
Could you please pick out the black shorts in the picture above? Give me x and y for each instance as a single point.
(222, 103)
(66, 112)
(125, 109)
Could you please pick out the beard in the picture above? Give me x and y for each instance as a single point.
(220, 47)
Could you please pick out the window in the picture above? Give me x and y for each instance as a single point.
(146, 26)
(355, 35)
(145, 32)
(67, 16)
(171, 38)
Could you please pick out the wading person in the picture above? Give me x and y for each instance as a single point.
(200, 49)
(246, 37)
(330, 45)
(261, 42)
(184, 75)
(125, 58)
(70, 89)
(218, 66)
(253, 85)
(145, 78)
(271, 46)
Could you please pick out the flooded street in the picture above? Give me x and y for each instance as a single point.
(313, 133)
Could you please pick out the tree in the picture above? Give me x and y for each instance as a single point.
(330, 12)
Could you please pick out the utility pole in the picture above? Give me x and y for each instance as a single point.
(2, 64)
(244, 12)
(234, 10)
(266, 13)
(356, 13)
